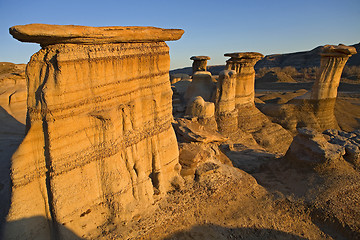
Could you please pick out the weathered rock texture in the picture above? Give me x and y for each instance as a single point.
(199, 63)
(99, 143)
(350, 141)
(13, 90)
(243, 65)
(249, 119)
(201, 85)
(324, 90)
(200, 109)
(310, 147)
(46, 34)
(315, 109)
(333, 59)
(297, 113)
(226, 113)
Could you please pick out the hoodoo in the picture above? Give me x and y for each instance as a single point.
(324, 91)
(99, 142)
(333, 60)
(200, 63)
(243, 64)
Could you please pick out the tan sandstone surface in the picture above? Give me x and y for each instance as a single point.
(99, 142)
(47, 34)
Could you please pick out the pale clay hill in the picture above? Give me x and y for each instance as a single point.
(111, 150)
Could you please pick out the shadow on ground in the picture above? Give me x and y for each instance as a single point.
(38, 228)
(209, 231)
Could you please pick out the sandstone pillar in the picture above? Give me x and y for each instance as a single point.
(333, 60)
(243, 64)
(249, 117)
(324, 91)
(226, 113)
(99, 145)
(199, 63)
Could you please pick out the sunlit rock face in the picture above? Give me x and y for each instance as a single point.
(314, 109)
(235, 104)
(324, 91)
(99, 143)
(249, 117)
(226, 112)
(199, 63)
(201, 85)
(321, 101)
(333, 60)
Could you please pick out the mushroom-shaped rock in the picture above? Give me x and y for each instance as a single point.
(243, 64)
(47, 34)
(200, 63)
(333, 60)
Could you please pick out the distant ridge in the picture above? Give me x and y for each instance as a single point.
(298, 60)
(303, 59)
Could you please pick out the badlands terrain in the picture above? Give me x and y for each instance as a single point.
(98, 141)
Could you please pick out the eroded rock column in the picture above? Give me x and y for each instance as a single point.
(269, 135)
(243, 64)
(99, 145)
(226, 112)
(199, 63)
(333, 60)
(324, 91)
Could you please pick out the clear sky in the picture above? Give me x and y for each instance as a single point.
(211, 27)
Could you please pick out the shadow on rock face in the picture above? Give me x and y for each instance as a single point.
(209, 232)
(38, 228)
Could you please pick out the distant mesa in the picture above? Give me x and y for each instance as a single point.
(302, 59)
(47, 34)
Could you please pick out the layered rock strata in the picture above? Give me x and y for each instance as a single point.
(315, 109)
(199, 63)
(324, 91)
(249, 119)
(99, 143)
(243, 64)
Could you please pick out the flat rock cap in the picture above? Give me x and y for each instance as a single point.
(338, 51)
(200, 58)
(248, 55)
(46, 34)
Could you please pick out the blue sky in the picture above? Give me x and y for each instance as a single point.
(211, 27)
